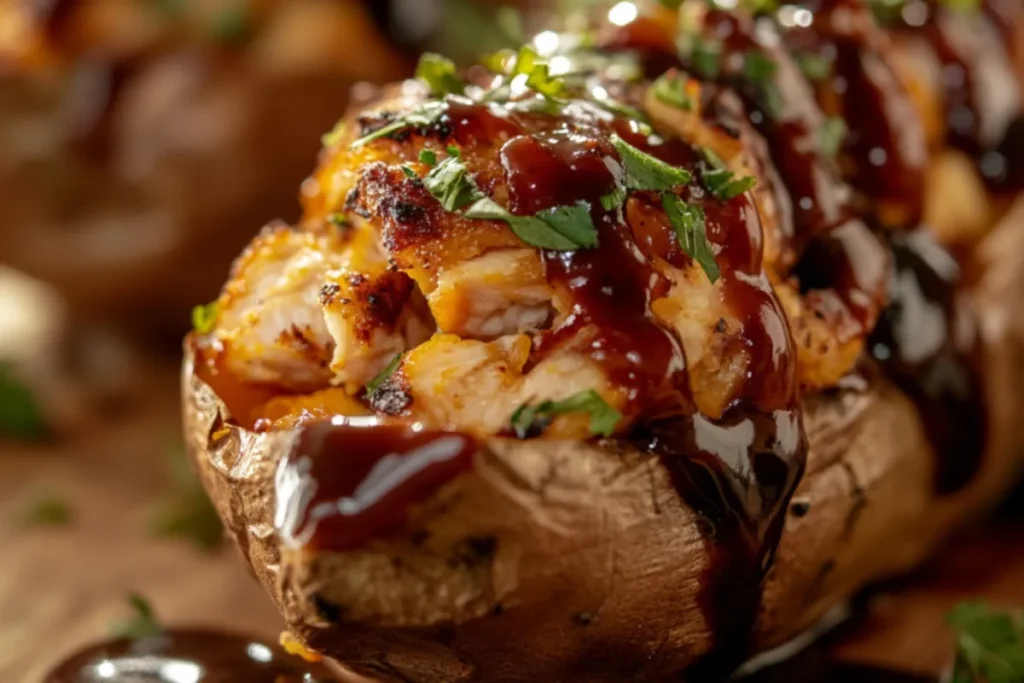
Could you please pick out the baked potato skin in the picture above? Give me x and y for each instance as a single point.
(576, 561)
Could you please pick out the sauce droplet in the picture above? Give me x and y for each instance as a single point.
(187, 656)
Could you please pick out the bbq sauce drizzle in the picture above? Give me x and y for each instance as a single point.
(203, 656)
(738, 471)
(983, 105)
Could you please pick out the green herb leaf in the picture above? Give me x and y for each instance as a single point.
(529, 419)
(423, 115)
(143, 623)
(670, 88)
(185, 511)
(538, 76)
(572, 221)
(990, 644)
(338, 220)
(409, 171)
(815, 67)
(47, 511)
(645, 172)
(377, 382)
(440, 74)
(614, 199)
(706, 57)
(204, 317)
(450, 184)
(831, 136)
(758, 67)
(565, 228)
(428, 157)
(720, 181)
(688, 223)
(20, 415)
(453, 151)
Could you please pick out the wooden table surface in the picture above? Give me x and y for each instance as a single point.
(61, 588)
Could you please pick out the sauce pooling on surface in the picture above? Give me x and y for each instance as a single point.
(348, 481)
(192, 655)
(928, 343)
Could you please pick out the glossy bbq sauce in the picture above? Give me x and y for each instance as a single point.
(348, 481)
(180, 655)
(980, 89)
(846, 58)
(737, 472)
(928, 343)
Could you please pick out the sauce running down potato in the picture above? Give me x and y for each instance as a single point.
(522, 305)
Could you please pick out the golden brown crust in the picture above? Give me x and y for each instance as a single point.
(571, 561)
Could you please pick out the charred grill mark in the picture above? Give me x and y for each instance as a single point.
(391, 398)
(328, 292)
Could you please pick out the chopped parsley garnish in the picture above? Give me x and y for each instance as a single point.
(759, 71)
(670, 88)
(338, 220)
(143, 623)
(706, 57)
(204, 317)
(815, 67)
(614, 199)
(453, 150)
(450, 184)
(989, 644)
(20, 415)
(428, 157)
(440, 74)
(423, 115)
(47, 511)
(528, 419)
(564, 228)
(720, 181)
(409, 171)
(831, 136)
(185, 511)
(688, 223)
(538, 76)
(645, 172)
(758, 67)
(377, 382)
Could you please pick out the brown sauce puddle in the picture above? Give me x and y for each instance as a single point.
(199, 656)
